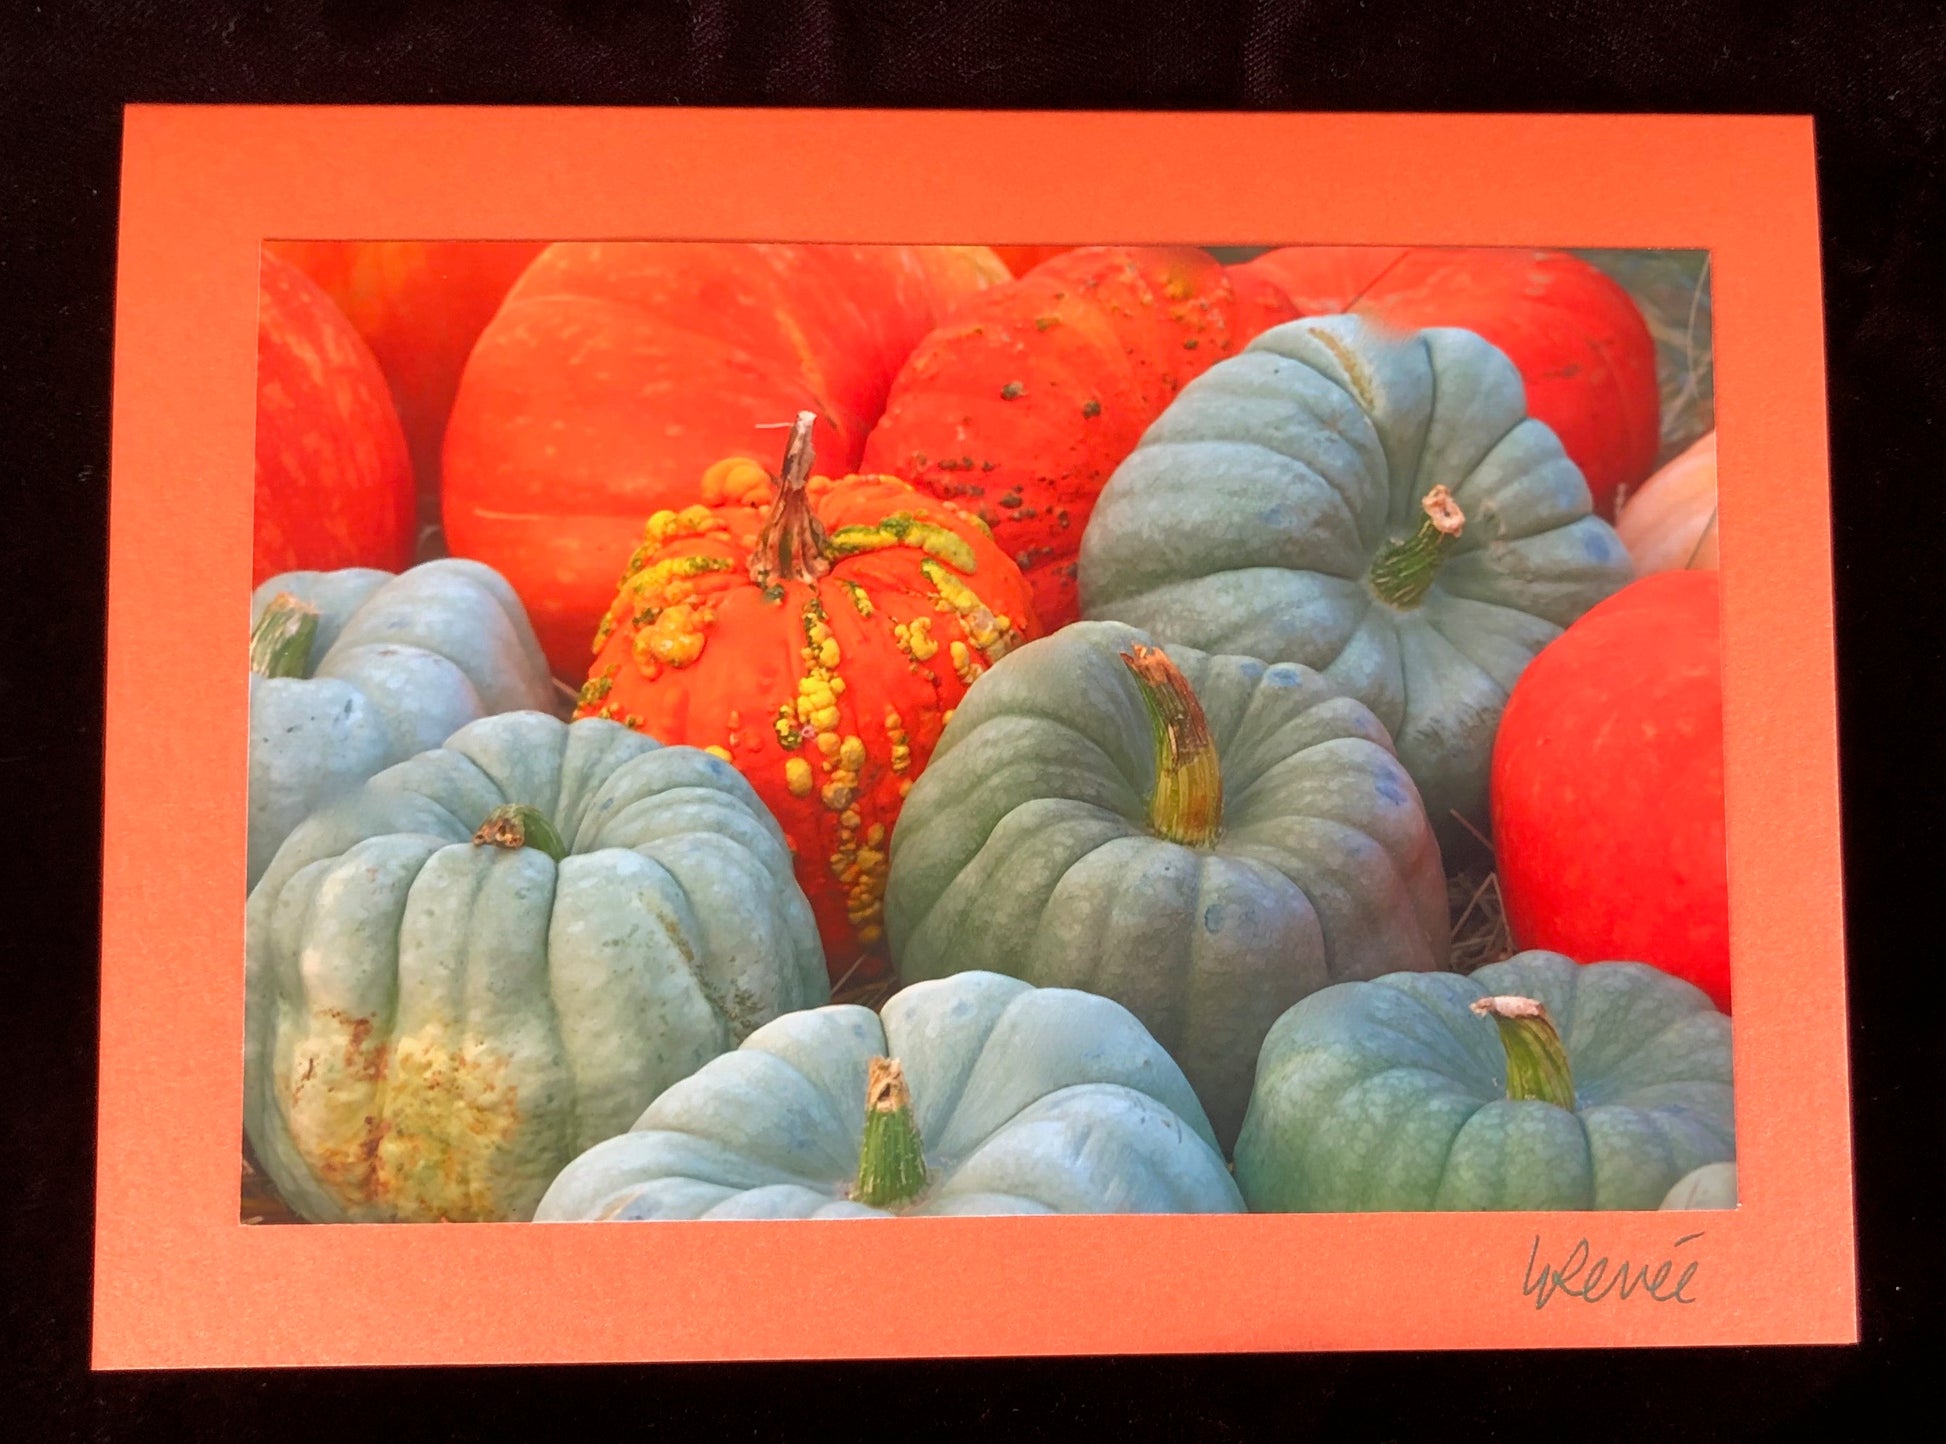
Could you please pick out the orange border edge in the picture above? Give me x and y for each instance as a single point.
(180, 1283)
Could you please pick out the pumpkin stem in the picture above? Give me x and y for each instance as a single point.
(892, 1162)
(1403, 572)
(792, 545)
(1187, 803)
(1537, 1063)
(514, 825)
(280, 642)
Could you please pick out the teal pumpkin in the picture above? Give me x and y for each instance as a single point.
(1714, 1185)
(1204, 839)
(975, 1094)
(1398, 1094)
(497, 953)
(354, 670)
(1375, 505)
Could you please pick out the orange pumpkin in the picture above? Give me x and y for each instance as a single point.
(1030, 397)
(334, 480)
(816, 633)
(615, 372)
(1670, 524)
(420, 305)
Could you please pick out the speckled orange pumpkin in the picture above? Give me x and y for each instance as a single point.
(816, 633)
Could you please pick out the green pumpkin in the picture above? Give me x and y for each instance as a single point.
(975, 1094)
(495, 954)
(1374, 505)
(1398, 1094)
(1714, 1185)
(1205, 844)
(354, 670)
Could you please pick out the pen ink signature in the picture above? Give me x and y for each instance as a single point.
(1592, 1282)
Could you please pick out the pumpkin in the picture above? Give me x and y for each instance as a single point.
(1671, 521)
(1714, 1185)
(1533, 1083)
(615, 373)
(420, 305)
(495, 954)
(1578, 339)
(975, 1094)
(816, 633)
(354, 670)
(1608, 786)
(1022, 405)
(1378, 507)
(334, 482)
(1204, 839)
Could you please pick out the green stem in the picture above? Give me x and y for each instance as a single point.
(892, 1161)
(280, 642)
(1402, 574)
(1187, 803)
(792, 545)
(515, 825)
(1537, 1063)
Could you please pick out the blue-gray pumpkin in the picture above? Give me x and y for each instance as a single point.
(354, 670)
(1204, 839)
(494, 955)
(1535, 1083)
(974, 1094)
(1376, 505)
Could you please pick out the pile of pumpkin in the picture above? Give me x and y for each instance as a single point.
(1098, 668)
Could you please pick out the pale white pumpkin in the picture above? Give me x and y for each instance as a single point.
(1669, 524)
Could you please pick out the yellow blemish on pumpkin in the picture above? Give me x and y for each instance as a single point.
(876, 837)
(851, 753)
(963, 663)
(789, 736)
(736, 481)
(797, 776)
(594, 689)
(860, 602)
(721, 753)
(828, 744)
(915, 639)
(902, 529)
(905, 786)
(837, 796)
(604, 632)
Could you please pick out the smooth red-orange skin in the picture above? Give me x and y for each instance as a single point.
(615, 373)
(334, 482)
(420, 305)
(1024, 404)
(753, 662)
(1021, 259)
(1580, 343)
(1607, 786)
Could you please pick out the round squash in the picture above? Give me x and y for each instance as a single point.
(1578, 339)
(334, 480)
(1671, 522)
(815, 633)
(1379, 507)
(1534, 1083)
(354, 670)
(615, 373)
(975, 1094)
(1024, 402)
(1608, 786)
(1203, 839)
(420, 305)
(1714, 1185)
(494, 955)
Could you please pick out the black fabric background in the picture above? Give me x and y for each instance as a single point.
(1871, 76)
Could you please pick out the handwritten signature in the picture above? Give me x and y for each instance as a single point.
(1592, 1282)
